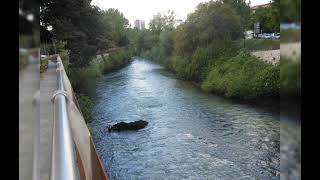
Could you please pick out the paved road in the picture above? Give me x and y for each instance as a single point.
(28, 116)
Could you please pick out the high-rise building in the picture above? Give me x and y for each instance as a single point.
(140, 24)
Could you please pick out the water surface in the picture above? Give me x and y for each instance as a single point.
(191, 134)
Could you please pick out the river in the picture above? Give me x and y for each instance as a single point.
(190, 135)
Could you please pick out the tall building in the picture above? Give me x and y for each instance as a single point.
(140, 24)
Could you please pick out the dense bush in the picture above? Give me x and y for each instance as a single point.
(290, 77)
(29, 41)
(242, 76)
(260, 44)
(116, 60)
(43, 65)
(87, 107)
(290, 10)
(84, 79)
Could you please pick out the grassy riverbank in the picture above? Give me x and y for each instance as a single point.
(239, 75)
(260, 44)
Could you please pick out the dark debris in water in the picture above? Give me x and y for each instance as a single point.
(127, 126)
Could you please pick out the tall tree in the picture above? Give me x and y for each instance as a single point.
(290, 10)
(269, 17)
(162, 21)
(243, 10)
(119, 26)
(214, 24)
(79, 24)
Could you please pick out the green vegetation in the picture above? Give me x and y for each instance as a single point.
(79, 24)
(28, 41)
(243, 76)
(23, 60)
(260, 44)
(290, 10)
(119, 26)
(43, 65)
(207, 51)
(269, 17)
(87, 107)
(79, 31)
(290, 35)
(290, 78)
(204, 49)
(116, 60)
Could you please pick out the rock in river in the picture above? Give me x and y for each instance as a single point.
(123, 126)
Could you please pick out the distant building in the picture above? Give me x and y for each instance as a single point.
(254, 8)
(257, 29)
(140, 24)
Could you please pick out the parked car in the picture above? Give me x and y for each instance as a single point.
(22, 50)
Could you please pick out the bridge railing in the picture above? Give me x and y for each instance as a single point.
(74, 154)
(63, 164)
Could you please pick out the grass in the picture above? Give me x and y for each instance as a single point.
(260, 44)
(290, 35)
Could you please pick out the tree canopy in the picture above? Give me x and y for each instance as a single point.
(268, 17)
(79, 24)
(212, 24)
(119, 26)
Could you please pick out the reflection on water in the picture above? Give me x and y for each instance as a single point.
(191, 135)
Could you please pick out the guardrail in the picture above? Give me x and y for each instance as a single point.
(63, 164)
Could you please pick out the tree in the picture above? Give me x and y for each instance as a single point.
(243, 10)
(28, 7)
(79, 24)
(268, 17)
(119, 25)
(161, 22)
(214, 24)
(290, 10)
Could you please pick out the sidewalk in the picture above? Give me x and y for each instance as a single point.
(48, 84)
(28, 86)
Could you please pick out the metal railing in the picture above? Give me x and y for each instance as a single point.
(63, 164)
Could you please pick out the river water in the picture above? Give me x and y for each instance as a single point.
(190, 135)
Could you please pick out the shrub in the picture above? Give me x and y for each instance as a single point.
(242, 76)
(290, 77)
(87, 107)
(116, 60)
(260, 44)
(43, 65)
(84, 79)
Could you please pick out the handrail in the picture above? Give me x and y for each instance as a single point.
(63, 164)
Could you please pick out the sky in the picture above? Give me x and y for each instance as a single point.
(145, 9)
